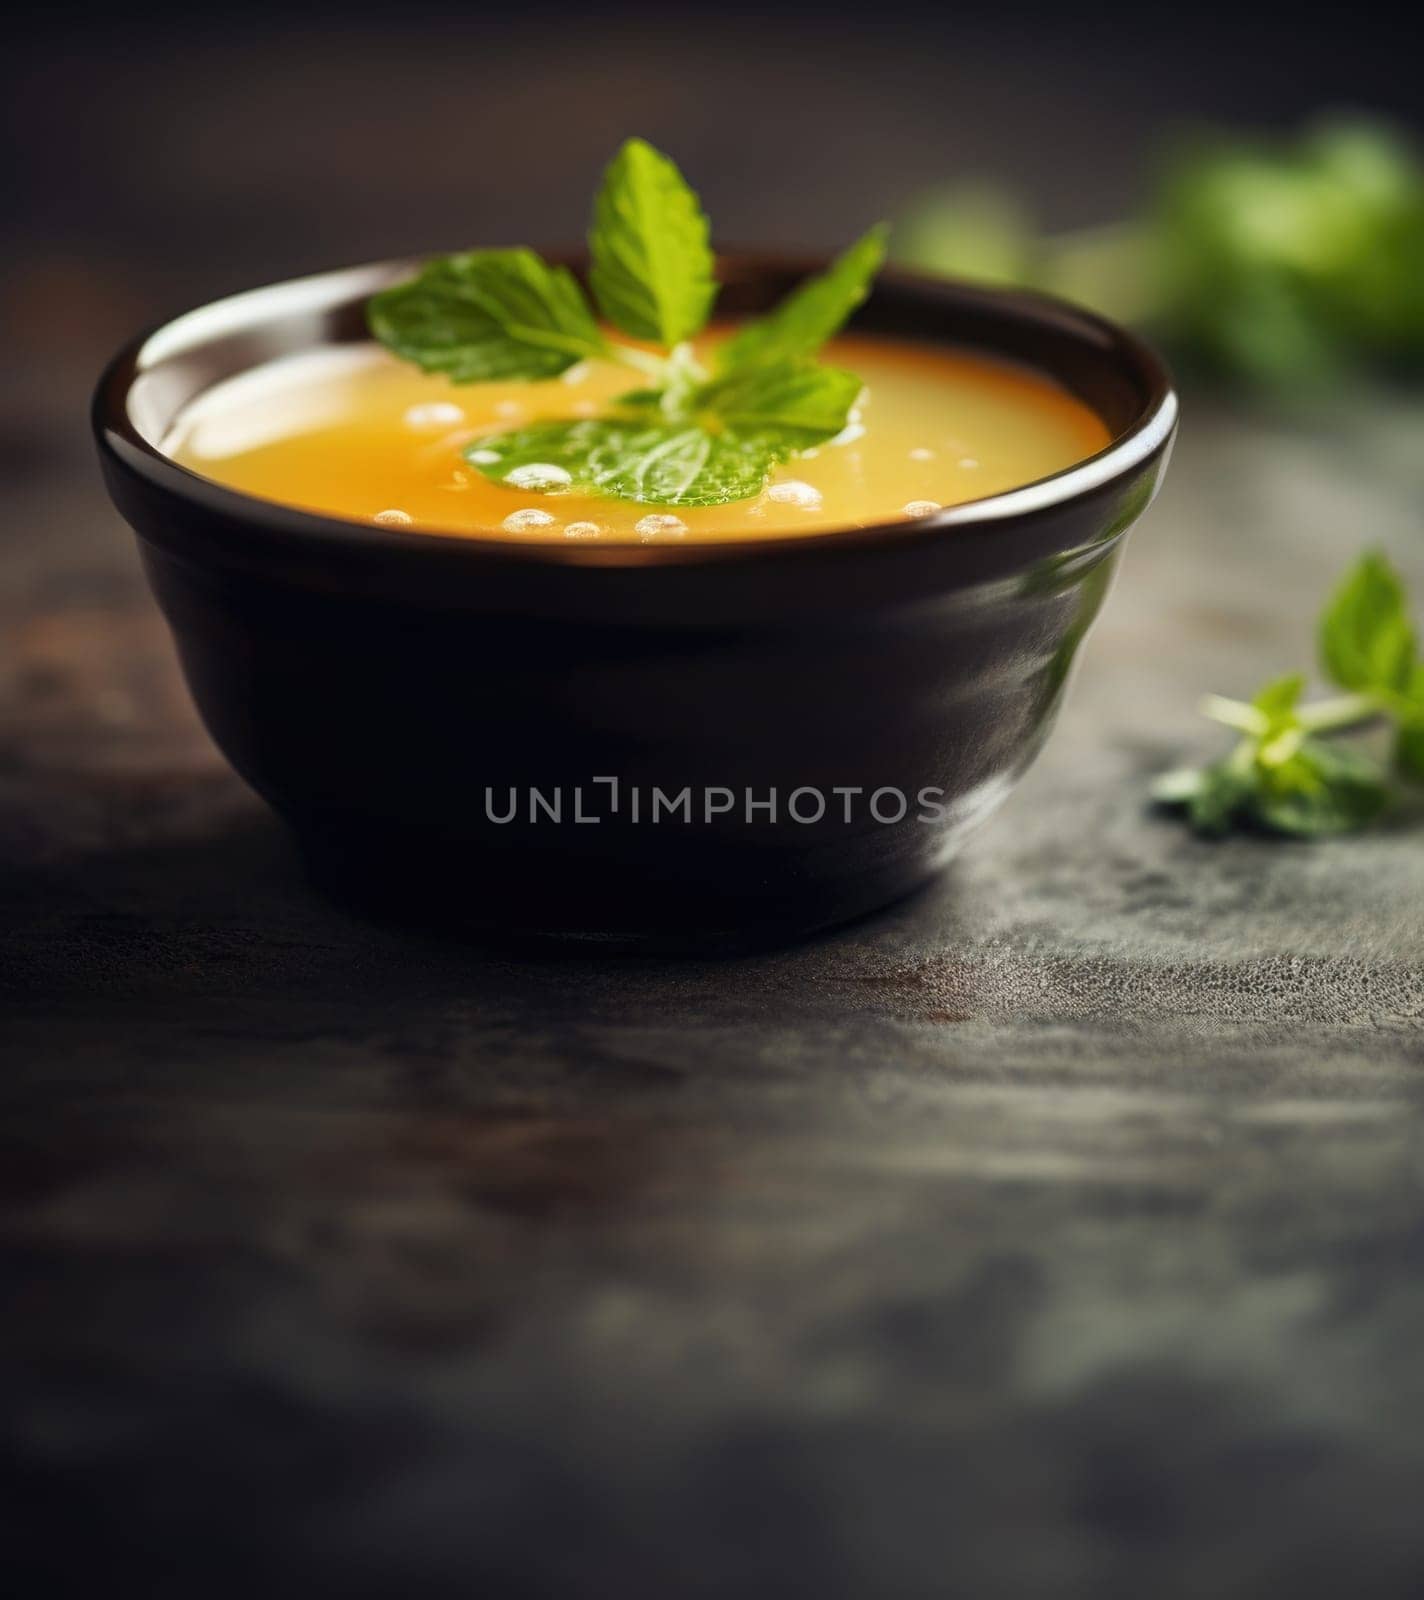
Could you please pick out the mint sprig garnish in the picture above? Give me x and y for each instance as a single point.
(682, 436)
(735, 431)
(1285, 773)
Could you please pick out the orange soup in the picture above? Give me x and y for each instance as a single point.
(355, 432)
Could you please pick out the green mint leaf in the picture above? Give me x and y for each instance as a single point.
(1366, 642)
(1212, 797)
(652, 265)
(810, 314)
(654, 462)
(1318, 789)
(722, 447)
(1223, 798)
(1322, 789)
(811, 403)
(1279, 699)
(1409, 752)
(1283, 775)
(1409, 748)
(488, 314)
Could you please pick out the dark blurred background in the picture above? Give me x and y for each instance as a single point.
(166, 154)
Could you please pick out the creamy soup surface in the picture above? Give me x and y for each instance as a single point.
(355, 432)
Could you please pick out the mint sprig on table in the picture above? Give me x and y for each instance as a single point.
(1286, 773)
(683, 436)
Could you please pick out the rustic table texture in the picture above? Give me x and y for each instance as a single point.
(1061, 1230)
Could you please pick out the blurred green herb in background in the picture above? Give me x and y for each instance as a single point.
(1284, 773)
(1279, 265)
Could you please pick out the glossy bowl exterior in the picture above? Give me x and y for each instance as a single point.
(394, 694)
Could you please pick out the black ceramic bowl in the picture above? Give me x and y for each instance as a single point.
(840, 708)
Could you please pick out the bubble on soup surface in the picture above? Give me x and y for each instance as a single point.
(508, 408)
(394, 518)
(922, 508)
(659, 522)
(582, 530)
(538, 475)
(968, 461)
(795, 493)
(435, 414)
(527, 520)
(919, 453)
(484, 458)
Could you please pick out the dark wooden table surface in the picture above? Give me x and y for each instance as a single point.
(1061, 1231)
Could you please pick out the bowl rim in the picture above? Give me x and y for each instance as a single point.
(119, 438)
